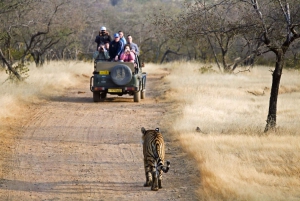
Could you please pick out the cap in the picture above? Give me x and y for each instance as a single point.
(103, 29)
(116, 35)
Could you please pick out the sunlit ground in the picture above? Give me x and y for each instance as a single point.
(236, 159)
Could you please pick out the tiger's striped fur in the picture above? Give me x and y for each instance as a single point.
(154, 156)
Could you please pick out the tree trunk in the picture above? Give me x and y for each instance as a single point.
(9, 66)
(214, 53)
(38, 58)
(271, 119)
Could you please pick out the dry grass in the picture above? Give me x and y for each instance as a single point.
(236, 159)
(42, 83)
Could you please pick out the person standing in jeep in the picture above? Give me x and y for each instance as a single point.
(103, 37)
(115, 48)
(134, 48)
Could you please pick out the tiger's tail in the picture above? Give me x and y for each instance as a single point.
(160, 166)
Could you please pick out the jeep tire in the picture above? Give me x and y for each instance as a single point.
(121, 74)
(103, 95)
(137, 96)
(143, 94)
(96, 96)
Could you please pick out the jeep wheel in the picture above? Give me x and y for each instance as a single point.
(137, 96)
(103, 95)
(121, 74)
(96, 96)
(143, 94)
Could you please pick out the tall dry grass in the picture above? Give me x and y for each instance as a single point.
(42, 83)
(237, 161)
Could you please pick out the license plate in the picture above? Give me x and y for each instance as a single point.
(104, 72)
(115, 90)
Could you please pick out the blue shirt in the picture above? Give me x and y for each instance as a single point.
(123, 40)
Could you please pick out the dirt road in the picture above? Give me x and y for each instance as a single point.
(69, 148)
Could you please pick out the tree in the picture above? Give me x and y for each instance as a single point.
(263, 26)
(6, 35)
(277, 22)
(217, 25)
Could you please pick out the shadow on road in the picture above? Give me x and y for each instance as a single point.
(70, 187)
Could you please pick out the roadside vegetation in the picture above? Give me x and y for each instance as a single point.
(236, 159)
(41, 84)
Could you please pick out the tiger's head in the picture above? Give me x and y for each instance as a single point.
(144, 132)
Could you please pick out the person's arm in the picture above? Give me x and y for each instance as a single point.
(137, 51)
(122, 57)
(109, 38)
(106, 54)
(120, 48)
(97, 39)
(110, 51)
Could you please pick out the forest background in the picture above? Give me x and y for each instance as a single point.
(165, 30)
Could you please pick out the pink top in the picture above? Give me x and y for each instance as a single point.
(127, 57)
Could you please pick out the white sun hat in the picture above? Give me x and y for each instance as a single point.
(103, 29)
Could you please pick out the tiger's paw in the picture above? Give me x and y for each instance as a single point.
(154, 189)
(147, 184)
(159, 184)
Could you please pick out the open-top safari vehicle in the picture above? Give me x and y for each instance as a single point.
(118, 78)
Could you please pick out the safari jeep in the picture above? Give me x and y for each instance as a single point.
(118, 78)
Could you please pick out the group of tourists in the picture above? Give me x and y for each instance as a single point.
(117, 49)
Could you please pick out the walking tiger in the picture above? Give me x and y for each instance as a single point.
(154, 156)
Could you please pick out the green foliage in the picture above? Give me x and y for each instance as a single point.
(292, 63)
(16, 54)
(207, 69)
(22, 69)
(85, 57)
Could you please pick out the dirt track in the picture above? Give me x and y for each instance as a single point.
(69, 148)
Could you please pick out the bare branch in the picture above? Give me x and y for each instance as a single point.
(241, 71)
(256, 7)
(10, 68)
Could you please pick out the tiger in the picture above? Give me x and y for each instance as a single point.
(154, 156)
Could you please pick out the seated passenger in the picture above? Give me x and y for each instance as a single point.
(102, 53)
(127, 55)
(115, 48)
